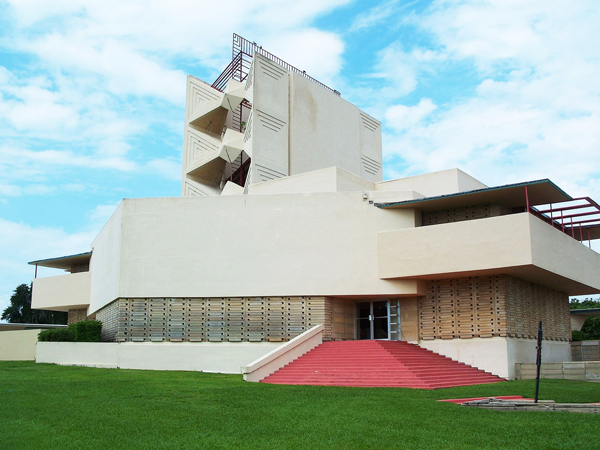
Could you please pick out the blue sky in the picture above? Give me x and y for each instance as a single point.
(92, 96)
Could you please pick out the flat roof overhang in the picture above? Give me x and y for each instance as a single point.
(28, 326)
(540, 192)
(529, 273)
(63, 308)
(63, 262)
(521, 245)
(518, 195)
(588, 312)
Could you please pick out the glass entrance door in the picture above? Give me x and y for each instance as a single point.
(372, 320)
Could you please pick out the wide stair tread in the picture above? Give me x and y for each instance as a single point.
(378, 364)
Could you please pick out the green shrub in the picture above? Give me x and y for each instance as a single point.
(87, 331)
(577, 335)
(56, 335)
(43, 335)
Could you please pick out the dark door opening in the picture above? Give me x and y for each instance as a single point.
(372, 320)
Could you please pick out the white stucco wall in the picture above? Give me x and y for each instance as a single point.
(498, 355)
(451, 248)
(270, 121)
(325, 130)
(556, 252)
(577, 321)
(62, 292)
(222, 357)
(254, 245)
(92, 354)
(436, 183)
(105, 264)
(489, 354)
(523, 351)
(18, 345)
(330, 179)
(517, 244)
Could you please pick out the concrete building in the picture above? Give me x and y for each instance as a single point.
(284, 223)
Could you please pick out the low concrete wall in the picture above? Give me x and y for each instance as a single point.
(523, 351)
(93, 354)
(221, 357)
(585, 350)
(489, 354)
(497, 355)
(569, 370)
(284, 354)
(18, 345)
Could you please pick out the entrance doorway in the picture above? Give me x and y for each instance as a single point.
(378, 319)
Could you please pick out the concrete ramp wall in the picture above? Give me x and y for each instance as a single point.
(18, 345)
(221, 357)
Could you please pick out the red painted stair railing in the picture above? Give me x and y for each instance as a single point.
(378, 364)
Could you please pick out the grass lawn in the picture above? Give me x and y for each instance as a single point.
(45, 406)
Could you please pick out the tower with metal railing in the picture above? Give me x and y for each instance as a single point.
(264, 119)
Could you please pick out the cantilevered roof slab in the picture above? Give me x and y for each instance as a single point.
(539, 192)
(521, 245)
(63, 262)
(579, 316)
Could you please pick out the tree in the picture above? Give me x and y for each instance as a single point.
(587, 303)
(20, 310)
(591, 328)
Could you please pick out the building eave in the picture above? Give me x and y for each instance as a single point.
(540, 192)
(63, 262)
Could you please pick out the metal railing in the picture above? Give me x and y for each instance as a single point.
(237, 69)
(241, 59)
(576, 217)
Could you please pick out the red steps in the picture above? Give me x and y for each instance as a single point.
(378, 364)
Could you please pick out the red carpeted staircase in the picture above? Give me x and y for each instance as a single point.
(378, 363)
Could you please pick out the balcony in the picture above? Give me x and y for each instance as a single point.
(521, 245)
(61, 293)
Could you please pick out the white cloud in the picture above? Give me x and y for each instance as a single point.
(33, 106)
(319, 53)
(8, 190)
(527, 33)
(534, 112)
(22, 243)
(401, 117)
(100, 215)
(40, 108)
(374, 15)
(38, 161)
(122, 69)
(399, 69)
(166, 168)
(28, 172)
(378, 14)
(122, 39)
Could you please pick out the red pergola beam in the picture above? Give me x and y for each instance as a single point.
(577, 222)
(588, 199)
(566, 208)
(579, 215)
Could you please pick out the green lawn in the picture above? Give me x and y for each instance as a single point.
(45, 406)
